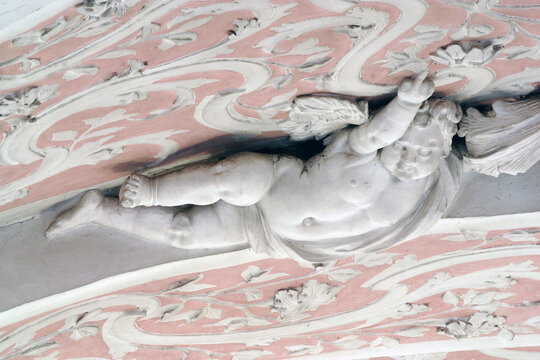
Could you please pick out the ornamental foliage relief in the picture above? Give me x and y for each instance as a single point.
(155, 61)
(375, 301)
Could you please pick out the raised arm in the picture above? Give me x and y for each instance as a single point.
(391, 123)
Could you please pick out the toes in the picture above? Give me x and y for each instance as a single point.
(128, 194)
(126, 203)
(134, 179)
(131, 187)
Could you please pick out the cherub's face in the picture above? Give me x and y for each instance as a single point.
(417, 154)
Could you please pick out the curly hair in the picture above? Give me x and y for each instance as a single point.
(446, 113)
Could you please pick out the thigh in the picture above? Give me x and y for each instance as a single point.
(211, 226)
(244, 179)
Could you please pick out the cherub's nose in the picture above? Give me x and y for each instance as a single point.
(408, 157)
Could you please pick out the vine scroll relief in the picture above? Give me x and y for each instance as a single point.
(119, 85)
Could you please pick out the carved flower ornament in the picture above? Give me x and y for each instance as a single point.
(104, 8)
(477, 324)
(22, 102)
(292, 303)
(457, 55)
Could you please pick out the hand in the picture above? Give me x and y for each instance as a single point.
(415, 91)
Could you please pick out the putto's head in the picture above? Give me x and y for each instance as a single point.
(429, 139)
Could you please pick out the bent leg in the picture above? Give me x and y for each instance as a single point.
(94, 208)
(241, 179)
(216, 226)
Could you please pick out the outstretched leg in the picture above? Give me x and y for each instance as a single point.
(242, 179)
(216, 226)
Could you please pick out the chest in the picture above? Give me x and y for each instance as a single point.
(353, 179)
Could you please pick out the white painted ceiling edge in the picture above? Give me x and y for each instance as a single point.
(19, 16)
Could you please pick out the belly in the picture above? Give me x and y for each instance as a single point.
(309, 228)
(323, 201)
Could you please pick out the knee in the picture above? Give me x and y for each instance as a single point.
(180, 234)
(244, 178)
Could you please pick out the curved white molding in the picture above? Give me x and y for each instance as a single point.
(417, 349)
(133, 278)
(347, 75)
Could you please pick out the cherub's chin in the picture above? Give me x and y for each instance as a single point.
(404, 174)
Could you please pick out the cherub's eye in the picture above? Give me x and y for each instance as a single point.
(399, 146)
(424, 152)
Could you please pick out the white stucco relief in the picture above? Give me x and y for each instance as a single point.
(372, 186)
(460, 309)
(278, 214)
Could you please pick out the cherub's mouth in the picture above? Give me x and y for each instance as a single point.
(405, 168)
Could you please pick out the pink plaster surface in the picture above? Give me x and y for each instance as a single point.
(513, 299)
(197, 138)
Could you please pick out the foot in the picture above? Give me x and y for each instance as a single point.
(136, 191)
(81, 214)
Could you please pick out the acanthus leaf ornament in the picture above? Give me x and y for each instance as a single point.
(477, 324)
(319, 116)
(293, 303)
(23, 102)
(365, 29)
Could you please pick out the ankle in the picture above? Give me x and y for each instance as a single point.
(153, 192)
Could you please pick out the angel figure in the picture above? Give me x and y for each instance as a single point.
(374, 185)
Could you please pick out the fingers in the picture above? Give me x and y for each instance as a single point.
(133, 179)
(126, 203)
(131, 187)
(417, 89)
(419, 79)
(427, 87)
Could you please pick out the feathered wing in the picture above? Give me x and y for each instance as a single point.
(507, 142)
(318, 116)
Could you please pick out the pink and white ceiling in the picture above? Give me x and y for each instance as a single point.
(448, 295)
(104, 88)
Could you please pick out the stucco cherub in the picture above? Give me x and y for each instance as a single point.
(372, 186)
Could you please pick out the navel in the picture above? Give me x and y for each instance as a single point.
(309, 221)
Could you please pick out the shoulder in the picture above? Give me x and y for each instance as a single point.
(339, 142)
